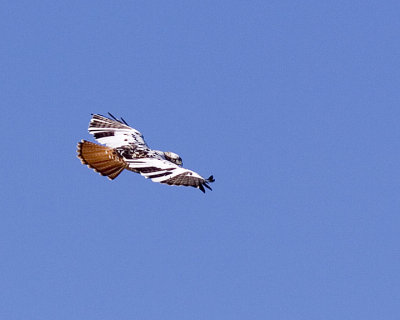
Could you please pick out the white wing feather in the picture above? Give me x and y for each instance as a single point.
(113, 133)
(159, 170)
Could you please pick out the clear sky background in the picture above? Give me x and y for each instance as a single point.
(293, 106)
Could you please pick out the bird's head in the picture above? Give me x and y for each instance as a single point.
(173, 157)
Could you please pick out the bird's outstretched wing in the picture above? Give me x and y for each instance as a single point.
(115, 133)
(164, 171)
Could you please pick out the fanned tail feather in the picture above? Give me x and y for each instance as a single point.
(103, 160)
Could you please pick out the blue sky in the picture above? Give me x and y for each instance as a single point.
(292, 106)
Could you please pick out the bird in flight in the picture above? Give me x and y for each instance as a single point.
(125, 148)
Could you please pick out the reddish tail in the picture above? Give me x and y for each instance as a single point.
(103, 160)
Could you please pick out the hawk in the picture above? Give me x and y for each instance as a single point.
(125, 148)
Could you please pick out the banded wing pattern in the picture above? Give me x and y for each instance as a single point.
(164, 171)
(115, 133)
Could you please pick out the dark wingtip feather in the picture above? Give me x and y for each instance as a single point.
(202, 188)
(210, 179)
(120, 121)
(113, 117)
(207, 186)
(123, 120)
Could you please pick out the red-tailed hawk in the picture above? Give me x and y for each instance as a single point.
(125, 148)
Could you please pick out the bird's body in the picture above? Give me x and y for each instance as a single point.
(125, 148)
